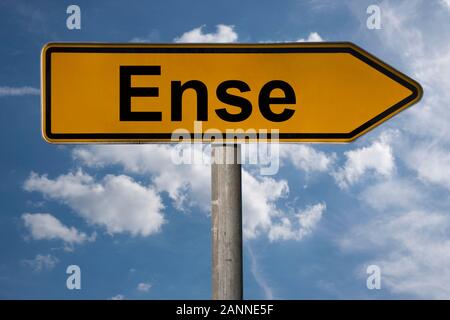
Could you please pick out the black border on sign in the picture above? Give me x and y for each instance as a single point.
(414, 87)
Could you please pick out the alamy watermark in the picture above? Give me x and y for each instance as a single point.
(373, 21)
(73, 21)
(74, 279)
(374, 279)
(259, 147)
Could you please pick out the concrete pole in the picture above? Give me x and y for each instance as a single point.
(226, 229)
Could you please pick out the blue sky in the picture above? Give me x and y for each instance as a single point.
(138, 225)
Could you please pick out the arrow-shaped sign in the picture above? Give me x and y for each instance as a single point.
(300, 92)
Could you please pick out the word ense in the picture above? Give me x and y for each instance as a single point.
(242, 309)
(265, 100)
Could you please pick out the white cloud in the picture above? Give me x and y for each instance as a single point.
(118, 297)
(19, 91)
(411, 248)
(224, 33)
(41, 262)
(262, 216)
(186, 184)
(259, 198)
(377, 158)
(302, 225)
(44, 226)
(432, 163)
(427, 55)
(429, 120)
(189, 185)
(144, 287)
(397, 31)
(306, 158)
(117, 202)
(312, 37)
(446, 3)
(392, 194)
(409, 240)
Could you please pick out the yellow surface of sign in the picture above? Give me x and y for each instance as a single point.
(137, 93)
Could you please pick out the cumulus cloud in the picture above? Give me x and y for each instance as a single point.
(44, 226)
(223, 34)
(19, 91)
(392, 194)
(307, 158)
(446, 3)
(41, 262)
(377, 158)
(312, 37)
(186, 184)
(432, 163)
(427, 151)
(117, 203)
(408, 235)
(301, 225)
(426, 55)
(144, 287)
(411, 248)
(118, 297)
(259, 196)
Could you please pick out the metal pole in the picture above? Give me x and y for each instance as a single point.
(226, 226)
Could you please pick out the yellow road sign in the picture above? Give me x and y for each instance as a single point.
(136, 93)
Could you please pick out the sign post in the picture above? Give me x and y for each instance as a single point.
(221, 94)
(226, 222)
